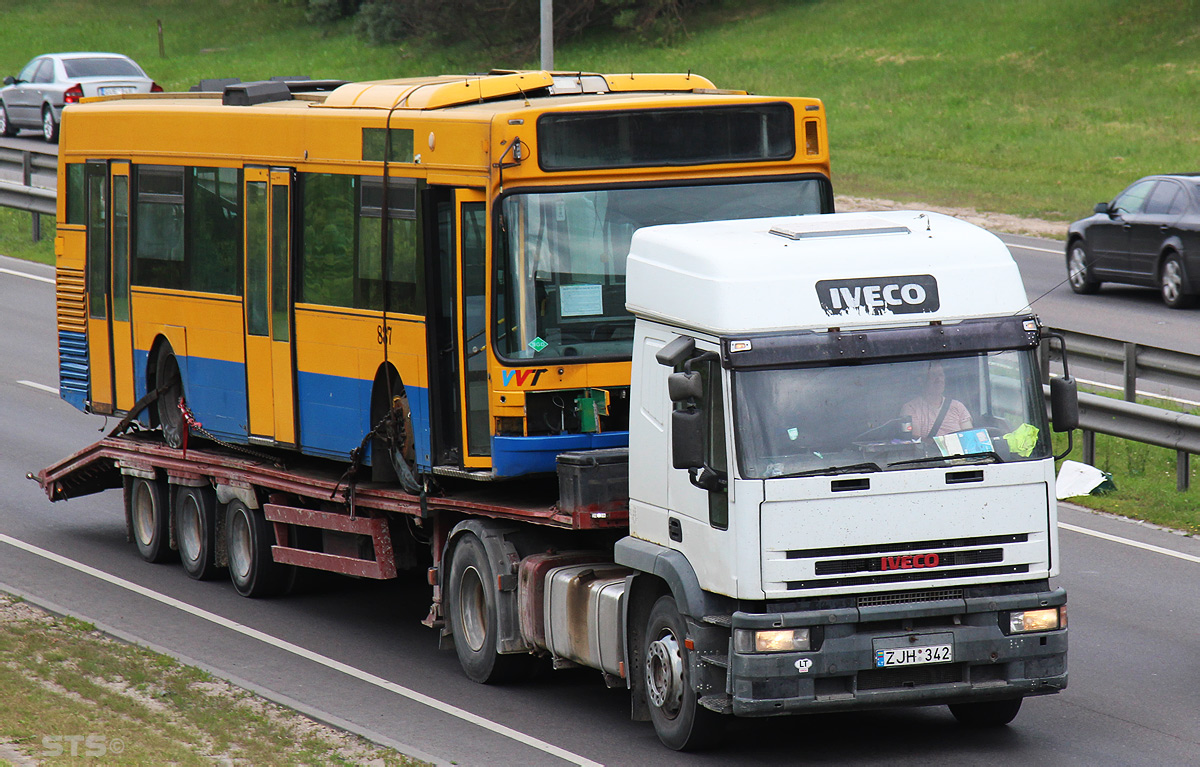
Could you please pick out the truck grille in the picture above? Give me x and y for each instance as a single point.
(909, 597)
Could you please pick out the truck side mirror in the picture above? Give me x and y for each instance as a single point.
(9, 80)
(1064, 404)
(684, 386)
(687, 438)
(1102, 207)
(677, 352)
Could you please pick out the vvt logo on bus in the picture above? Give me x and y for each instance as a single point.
(907, 294)
(521, 376)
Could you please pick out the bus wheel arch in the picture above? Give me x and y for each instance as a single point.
(388, 382)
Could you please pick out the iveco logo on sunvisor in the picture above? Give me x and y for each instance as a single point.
(909, 294)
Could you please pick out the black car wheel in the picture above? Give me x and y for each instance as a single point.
(49, 125)
(1174, 287)
(1079, 269)
(6, 128)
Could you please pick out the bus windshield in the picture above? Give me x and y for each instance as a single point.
(982, 408)
(560, 271)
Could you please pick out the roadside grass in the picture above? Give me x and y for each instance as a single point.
(1144, 476)
(71, 694)
(16, 236)
(1023, 107)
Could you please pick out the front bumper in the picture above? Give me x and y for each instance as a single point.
(839, 673)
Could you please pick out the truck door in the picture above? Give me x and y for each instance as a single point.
(270, 370)
(699, 521)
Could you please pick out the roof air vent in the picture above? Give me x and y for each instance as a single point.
(249, 94)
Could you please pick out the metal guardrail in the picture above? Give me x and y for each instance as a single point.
(28, 178)
(1125, 418)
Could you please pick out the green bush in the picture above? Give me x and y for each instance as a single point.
(502, 25)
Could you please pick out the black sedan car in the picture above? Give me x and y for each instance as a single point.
(1149, 235)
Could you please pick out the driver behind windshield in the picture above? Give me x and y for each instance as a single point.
(934, 414)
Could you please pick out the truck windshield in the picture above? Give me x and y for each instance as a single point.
(559, 287)
(890, 415)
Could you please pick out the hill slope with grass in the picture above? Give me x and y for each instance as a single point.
(1023, 107)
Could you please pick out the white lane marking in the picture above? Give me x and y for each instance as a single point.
(38, 386)
(1031, 247)
(301, 652)
(1128, 542)
(27, 276)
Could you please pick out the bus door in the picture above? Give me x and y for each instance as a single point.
(122, 327)
(473, 339)
(270, 372)
(99, 332)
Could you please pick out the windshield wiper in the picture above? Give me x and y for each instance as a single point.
(854, 468)
(987, 457)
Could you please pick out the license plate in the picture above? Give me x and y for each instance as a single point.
(914, 656)
(113, 90)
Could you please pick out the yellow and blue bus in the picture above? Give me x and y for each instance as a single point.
(296, 261)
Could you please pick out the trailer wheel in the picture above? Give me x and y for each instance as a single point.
(471, 603)
(195, 531)
(170, 419)
(680, 722)
(150, 520)
(248, 538)
(989, 713)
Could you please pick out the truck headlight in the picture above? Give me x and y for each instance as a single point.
(773, 640)
(1048, 619)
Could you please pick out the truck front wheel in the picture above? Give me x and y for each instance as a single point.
(471, 604)
(989, 713)
(681, 723)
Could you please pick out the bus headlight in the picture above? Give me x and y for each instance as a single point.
(773, 640)
(1048, 619)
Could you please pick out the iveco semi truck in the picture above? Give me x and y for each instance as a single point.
(838, 492)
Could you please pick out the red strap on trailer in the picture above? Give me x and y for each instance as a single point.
(189, 421)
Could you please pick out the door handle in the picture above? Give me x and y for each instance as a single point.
(1163, 228)
(675, 530)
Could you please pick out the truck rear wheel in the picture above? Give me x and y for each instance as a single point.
(471, 604)
(150, 519)
(196, 530)
(681, 723)
(248, 537)
(988, 713)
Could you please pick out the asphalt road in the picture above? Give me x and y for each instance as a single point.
(354, 652)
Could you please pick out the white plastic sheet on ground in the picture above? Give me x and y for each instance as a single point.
(1076, 478)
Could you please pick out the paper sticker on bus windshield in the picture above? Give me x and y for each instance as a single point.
(908, 294)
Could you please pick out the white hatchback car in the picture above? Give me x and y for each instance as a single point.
(35, 98)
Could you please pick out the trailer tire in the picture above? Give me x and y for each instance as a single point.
(196, 530)
(150, 519)
(679, 720)
(988, 713)
(471, 603)
(251, 568)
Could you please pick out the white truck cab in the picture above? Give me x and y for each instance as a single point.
(841, 474)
